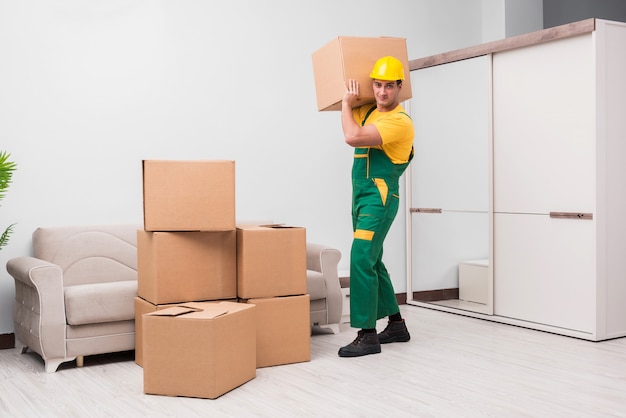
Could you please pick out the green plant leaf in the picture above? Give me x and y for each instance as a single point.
(4, 238)
(6, 172)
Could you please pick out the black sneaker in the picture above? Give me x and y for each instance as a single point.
(395, 332)
(364, 344)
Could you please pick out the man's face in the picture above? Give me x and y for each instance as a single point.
(386, 92)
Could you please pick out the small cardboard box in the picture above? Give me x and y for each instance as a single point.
(175, 267)
(347, 58)
(473, 281)
(271, 261)
(188, 195)
(142, 307)
(283, 334)
(200, 350)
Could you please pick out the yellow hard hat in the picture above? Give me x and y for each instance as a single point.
(388, 68)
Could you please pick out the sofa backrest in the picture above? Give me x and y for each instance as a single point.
(89, 254)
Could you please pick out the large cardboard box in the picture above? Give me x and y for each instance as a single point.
(271, 261)
(283, 334)
(177, 267)
(189, 195)
(347, 58)
(142, 307)
(200, 350)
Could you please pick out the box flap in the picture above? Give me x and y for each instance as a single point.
(208, 313)
(211, 313)
(173, 311)
(278, 226)
(266, 226)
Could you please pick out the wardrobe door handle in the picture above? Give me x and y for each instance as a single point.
(425, 210)
(571, 215)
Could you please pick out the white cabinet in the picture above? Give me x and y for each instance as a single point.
(556, 204)
(544, 99)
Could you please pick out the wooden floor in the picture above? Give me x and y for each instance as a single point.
(454, 366)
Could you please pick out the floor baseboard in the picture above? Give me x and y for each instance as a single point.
(7, 341)
(401, 298)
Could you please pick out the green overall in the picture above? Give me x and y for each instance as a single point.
(375, 202)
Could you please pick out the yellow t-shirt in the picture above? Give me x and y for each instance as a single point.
(395, 129)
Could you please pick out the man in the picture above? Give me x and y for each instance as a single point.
(382, 135)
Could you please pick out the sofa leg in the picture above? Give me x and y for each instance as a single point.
(53, 364)
(80, 361)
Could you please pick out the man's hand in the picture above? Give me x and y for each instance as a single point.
(355, 135)
(352, 93)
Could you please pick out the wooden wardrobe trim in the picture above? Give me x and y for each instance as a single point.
(533, 38)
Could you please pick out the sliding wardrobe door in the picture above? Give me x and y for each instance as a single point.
(450, 181)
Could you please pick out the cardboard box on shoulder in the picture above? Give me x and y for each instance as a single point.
(175, 267)
(283, 330)
(271, 261)
(189, 195)
(200, 350)
(349, 57)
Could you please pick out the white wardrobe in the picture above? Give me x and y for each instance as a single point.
(520, 174)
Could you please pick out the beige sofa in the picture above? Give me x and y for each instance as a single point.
(75, 296)
(323, 286)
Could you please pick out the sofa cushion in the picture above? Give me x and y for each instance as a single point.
(100, 302)
(315, 285)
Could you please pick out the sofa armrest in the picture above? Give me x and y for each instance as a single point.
(313, 261)
(20, 267)
(325, 259)
(39, 299)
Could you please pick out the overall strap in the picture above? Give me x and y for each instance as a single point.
(367, 115)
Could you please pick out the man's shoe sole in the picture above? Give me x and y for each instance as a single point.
(359, 354)
(402, 339)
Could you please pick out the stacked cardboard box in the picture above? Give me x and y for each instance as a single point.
(189, 195)
(199, 350)
(187, 250)
(187, 273)
(283, 330)
(208, 287)
(271, 274)
(186, 266)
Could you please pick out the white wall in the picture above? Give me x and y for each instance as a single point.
(89, 89)
(507, 18)
(494, 20)
(523, 16)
